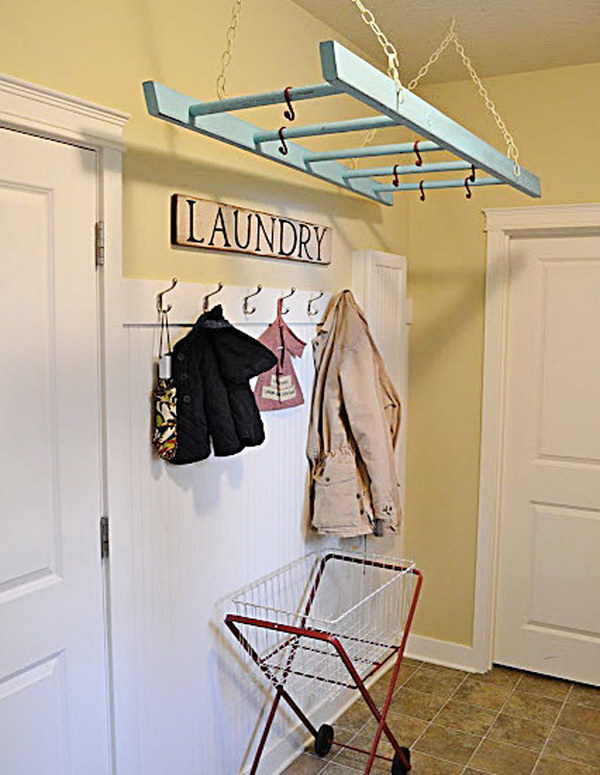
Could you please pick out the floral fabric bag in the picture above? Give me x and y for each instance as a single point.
(164, 437)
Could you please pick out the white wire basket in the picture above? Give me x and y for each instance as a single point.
(361, 600)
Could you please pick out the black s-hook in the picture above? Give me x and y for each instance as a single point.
(419, 161)
(470, 179)
(283, 149)
(290, 113)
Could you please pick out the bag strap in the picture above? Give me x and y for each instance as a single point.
(164, 334)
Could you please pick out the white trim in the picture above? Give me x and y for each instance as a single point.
(365, 264)
(503, 225)
(442, 652)
(550, 217)
(40, 111)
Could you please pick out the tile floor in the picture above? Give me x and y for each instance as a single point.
(506, 722)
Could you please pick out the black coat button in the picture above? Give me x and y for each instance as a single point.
(180, 357)
(187, 399)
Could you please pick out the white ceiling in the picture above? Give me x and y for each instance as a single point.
(500, 36)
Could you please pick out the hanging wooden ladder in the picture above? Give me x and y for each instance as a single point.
(346, 73)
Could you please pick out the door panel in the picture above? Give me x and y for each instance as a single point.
(34, 700)
(548, 607)
(571, 315)
(53, 707)
(565, 537)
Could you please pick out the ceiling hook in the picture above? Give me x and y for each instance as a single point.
(159, 298)
(283, 149)
(290, 113)
(287, 296)
(419, 161)
(208, 295)
(422, 196)
(309, 310)
(245, 308)
(396, 180)
(470, 179)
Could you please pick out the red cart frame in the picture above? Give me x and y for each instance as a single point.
(290, 640)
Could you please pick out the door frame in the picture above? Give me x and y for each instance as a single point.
(503, 225)
(37, 110)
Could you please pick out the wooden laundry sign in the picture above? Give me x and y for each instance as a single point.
(199, 223)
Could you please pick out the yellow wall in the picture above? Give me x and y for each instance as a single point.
(555, 118)
(102, 50)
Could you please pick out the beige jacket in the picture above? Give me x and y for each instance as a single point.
(354, 428)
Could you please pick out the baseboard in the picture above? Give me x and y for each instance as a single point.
(443, 652)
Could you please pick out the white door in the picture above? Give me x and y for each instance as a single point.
(548, 595)
(53, 705)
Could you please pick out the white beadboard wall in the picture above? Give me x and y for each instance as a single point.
(190, 536)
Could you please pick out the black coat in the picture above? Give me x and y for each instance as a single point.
(212, 366)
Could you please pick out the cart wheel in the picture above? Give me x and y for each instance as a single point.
(324, 740)
(398, 766)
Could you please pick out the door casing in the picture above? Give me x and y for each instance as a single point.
(503, 225)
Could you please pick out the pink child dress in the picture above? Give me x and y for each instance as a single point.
(279, 388)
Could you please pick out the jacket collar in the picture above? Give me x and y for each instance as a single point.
(213, 318)
(343, 299)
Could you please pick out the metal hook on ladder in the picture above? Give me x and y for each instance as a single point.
(470, 178)
(422, 196)
(419, 161)
(396, 180)
(283, 149)
(290, 113)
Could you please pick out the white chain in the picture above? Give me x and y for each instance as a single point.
(393, 62)
(226, 55)
(512, 150)
(389, 49)
(434, 57)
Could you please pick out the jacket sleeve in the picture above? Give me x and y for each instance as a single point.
(369, 427)
(242, 357)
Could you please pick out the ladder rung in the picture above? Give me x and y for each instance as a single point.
(268, 98)
(440, 184)
(375, 150)
(408, 169)
(352, 125)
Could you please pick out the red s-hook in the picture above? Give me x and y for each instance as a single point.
(419, 161)
(283, 149)
(470, 178)
(422, 194)
(289, 114)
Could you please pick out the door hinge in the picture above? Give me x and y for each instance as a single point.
(99, 243)
(104, 538)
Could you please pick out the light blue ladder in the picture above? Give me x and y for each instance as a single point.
(347, 73)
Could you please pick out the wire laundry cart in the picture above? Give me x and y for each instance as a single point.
(326, 624)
